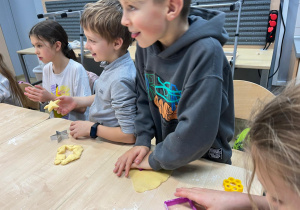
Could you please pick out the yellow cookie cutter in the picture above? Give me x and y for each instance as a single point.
(233, 185)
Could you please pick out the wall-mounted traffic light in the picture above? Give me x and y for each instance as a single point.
(272, 25)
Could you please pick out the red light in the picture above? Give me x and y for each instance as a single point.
(273, 16)
(272, 23)
(270, 29)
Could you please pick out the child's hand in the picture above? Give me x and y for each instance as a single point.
(144, 164)
(135, 154)
(209, 199)
(38, 94)
(80, 129)
(66, 104)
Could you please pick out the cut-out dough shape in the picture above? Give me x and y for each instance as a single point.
(52, 105)
(61, 157)
(147, 179)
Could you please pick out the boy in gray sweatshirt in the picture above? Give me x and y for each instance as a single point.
(184, 84)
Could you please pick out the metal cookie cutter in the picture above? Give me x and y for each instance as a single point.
(60, 135)
(179, 201)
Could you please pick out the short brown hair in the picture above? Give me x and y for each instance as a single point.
(104, 18)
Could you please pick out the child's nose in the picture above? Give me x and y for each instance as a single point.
(125, 21)
(86, 46)
(36, 51)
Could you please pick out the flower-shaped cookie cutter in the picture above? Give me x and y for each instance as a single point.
(233, 185)
(179, 201)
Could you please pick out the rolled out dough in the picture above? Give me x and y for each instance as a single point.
(147, 179)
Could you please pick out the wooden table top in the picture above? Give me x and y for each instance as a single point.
(15, 120)
(247, 58)
(252, 58)
(30, 180)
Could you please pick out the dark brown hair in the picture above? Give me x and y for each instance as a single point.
(15, 89)
(51, 31)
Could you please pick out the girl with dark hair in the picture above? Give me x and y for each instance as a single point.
(10, 91)
(62, 75)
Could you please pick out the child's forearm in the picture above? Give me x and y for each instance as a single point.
(80, 110)
(51, 97)
(83, 102)
(115, 134)
(242, 201)
(219, 199)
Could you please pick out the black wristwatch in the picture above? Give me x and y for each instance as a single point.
(93, 132)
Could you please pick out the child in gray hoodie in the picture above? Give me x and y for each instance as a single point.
(185, 86)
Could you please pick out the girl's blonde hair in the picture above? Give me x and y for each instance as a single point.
(275, 138)
(16, 91)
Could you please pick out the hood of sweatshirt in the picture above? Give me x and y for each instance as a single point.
(202, 24)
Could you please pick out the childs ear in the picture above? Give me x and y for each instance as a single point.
(175, 7)
(118, 43)
(57, 45)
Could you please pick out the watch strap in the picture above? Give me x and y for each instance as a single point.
(94, 128)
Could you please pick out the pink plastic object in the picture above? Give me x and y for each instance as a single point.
(179, 201)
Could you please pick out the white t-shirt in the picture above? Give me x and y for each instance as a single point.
(72, 81)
